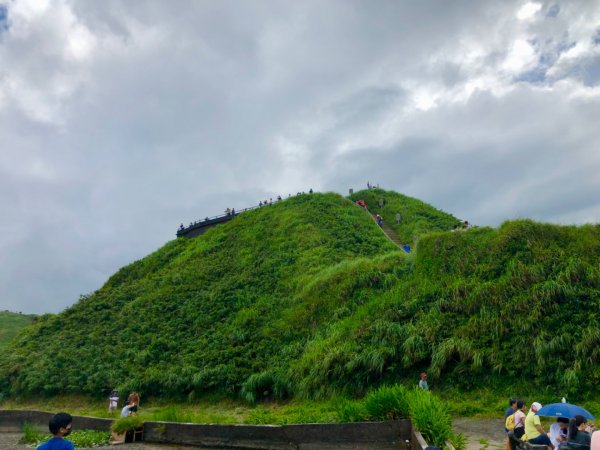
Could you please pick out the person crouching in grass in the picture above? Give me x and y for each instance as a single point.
(60, 427)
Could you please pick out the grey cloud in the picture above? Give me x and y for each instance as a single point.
(179, 112)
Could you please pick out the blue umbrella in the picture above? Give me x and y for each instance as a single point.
(564, 410)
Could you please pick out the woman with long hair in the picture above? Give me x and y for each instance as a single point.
(580, 438)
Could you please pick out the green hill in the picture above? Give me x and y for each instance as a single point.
(10, 325)
(416, 217)
(308, 298)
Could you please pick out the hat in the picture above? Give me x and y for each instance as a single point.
(536, 406)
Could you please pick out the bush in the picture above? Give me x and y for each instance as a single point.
(31, 435)
(126, 424)
(387, 403)
(430, 416)
(265, 385)
(80, 438)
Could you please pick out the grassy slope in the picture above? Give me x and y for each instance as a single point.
(513, 307)
(10, 325)
(198, 315)
(416, 217)
(308, 294)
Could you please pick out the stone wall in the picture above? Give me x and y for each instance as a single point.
(13, 421)
(368, 435)
(397, 435)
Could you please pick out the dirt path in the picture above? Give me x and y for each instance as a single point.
(483, 434)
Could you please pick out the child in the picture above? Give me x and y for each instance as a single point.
(60, 427)
(113, 400)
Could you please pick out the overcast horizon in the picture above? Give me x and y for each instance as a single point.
(120, 120)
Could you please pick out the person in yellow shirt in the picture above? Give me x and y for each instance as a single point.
(533, 427)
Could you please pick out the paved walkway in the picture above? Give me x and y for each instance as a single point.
(10, 441)
(483, 434)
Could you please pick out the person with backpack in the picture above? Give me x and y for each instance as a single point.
(508, 420)
(519, 420)
(512, 407)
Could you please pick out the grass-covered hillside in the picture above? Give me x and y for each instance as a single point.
(199, 315)
(308, 298)
(416, 217)
(10, 325)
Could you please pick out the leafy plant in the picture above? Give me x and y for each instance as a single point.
(31, 434)
(430, 416)
(80, 438)
(125, 424)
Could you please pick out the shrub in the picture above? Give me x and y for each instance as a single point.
(126, 424)
(430, 416)
(31, 435)
(387, 403)
(264, 385)
(80, 438)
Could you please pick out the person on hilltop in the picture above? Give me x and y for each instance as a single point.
(533, 427)
(379, 220)
(397, 218)
(60, 427)
(423, 382)
(578, 434)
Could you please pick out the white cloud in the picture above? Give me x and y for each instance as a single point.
(528, 10)
(522, 56)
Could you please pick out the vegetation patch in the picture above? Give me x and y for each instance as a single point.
(79, 438)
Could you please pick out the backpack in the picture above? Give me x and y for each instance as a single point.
(509, 424)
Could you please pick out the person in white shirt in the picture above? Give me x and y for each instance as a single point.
(558, 432)
(113, 400)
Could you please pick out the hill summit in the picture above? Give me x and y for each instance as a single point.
(308, 297)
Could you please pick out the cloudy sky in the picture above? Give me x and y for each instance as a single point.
(121, 119)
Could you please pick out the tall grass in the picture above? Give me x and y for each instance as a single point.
(430, 416)
(387, 403)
